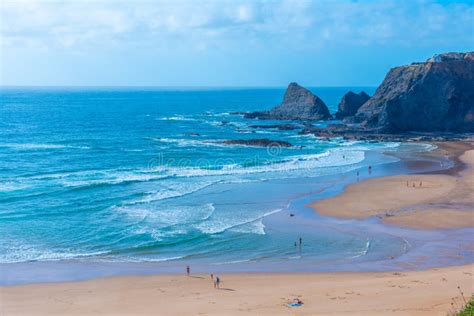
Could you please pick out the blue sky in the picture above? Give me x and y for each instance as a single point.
(224, 43)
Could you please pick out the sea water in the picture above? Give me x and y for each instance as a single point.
(142, 175)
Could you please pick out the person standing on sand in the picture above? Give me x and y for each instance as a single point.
(218, 282)
(188, 270)
(212, 276)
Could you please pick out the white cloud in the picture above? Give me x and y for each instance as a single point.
(202, 24)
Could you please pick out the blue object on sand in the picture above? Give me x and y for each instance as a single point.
(295, 304)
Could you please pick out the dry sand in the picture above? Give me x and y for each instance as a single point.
(425, 201)
(385, 293)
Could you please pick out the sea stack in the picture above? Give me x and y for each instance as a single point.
(433, 96)
(298, 104)
(350, 103)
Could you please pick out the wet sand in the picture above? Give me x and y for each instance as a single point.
(374, 293)
(423, 201)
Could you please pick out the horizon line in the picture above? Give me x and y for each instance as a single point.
(181, 87)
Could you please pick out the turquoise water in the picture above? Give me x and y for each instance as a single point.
(141, 175)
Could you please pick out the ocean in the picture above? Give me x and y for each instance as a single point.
(131, 175)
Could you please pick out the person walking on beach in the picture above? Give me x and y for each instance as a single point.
(188, 270)
(301, 241)
(218, 282)
(370, 169)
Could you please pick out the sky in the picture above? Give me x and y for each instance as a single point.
(235, 43)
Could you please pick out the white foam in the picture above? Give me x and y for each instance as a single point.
(167, 215)
(238, 224)
(230, 262)
(172, 190)
(182, 142)
(364, 251)
(23, 253)
(148, 259)
(114, 179)
(10, 186)
(175, 118)
(30, 146)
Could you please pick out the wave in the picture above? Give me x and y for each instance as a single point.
(364, 251)
(182, 142)
(231, 262)
(175, 118)
(253, 225)
(33, 146)
(148, 259)
(86, 178)
(169, 215)
(173, 190)
(116, 179)
(330, 158)
(217, 114)
(10, 186)
(25, 254)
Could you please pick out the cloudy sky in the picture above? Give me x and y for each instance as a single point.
(224, 43)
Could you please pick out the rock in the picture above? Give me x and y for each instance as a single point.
(298, 104)
(263, 142)
(281, 127)
(434, 96)
(368, 134)
(350, 103)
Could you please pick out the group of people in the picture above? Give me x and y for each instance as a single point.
(216, 281)
(301, 242)
(420, 185)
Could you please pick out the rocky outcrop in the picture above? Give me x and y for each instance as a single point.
(350, 103)
(298, 104)
(263, 142)
(434, 96)
(367, 134)
(281, 127)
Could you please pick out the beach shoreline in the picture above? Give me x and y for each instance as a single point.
(429, 292)
(425, 292)
(433, 200)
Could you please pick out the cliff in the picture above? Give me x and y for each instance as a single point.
(437, 95)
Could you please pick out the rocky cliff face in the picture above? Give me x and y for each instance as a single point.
(298, 104)
(437, 95)
(350, 103)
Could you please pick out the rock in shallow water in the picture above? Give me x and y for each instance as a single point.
(298, 104)
(350, 103)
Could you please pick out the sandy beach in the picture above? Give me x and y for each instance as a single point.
(443, 200)
(423, 201)
(384, 293)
